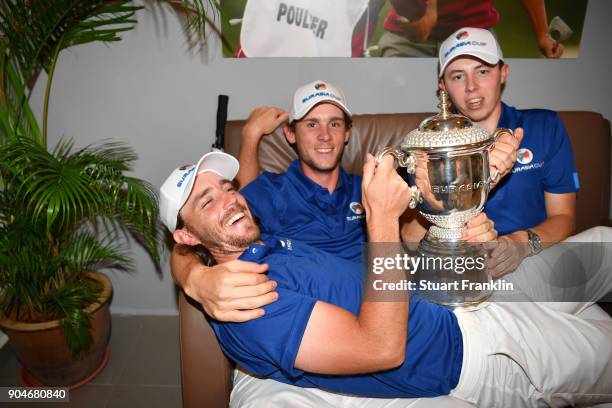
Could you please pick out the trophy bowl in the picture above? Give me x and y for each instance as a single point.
(445, 161)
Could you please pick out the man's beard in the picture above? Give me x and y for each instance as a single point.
(216, 238)
(245, 240)
(225, 243)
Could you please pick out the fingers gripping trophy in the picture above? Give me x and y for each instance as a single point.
(446, 163)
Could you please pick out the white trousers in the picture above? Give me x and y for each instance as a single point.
(515, 354)
(540, 353)
(251, 392)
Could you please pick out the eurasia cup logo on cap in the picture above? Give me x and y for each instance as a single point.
(356, 207)
(469, 41)
(308, 96)
(190, 169)
(524, 156)
(462, 35)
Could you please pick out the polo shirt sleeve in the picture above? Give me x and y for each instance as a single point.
(259, 194)
(560, 174)
(270, 343)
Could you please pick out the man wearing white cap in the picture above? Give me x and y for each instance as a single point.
(314, 201)
(298, 203)
(535, 204)
(325, 331)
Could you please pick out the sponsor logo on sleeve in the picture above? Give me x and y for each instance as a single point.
(287, 244)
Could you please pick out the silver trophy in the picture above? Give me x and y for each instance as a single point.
(446, 163)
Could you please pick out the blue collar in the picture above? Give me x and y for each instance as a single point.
(505, 116)
(306, 186)
(258, 250)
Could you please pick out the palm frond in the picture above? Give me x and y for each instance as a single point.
(36, 29)
(138, 214)
(68, 301)
(63, 188)
(84, 251)
(26, 265)
(16, 116)
(77, 328)
(53, 187)
(197, 16)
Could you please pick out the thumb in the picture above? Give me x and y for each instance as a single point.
(257, 268)
(245, 266)
(518, 134)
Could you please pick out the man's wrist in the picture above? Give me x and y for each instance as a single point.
(251, 135)
(534, 241)
(382, 228)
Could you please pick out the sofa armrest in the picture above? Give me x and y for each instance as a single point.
(206, 374)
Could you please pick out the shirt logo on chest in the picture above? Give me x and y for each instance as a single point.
(524, 156)
(286, 244)
(356, 207)
(358, 210)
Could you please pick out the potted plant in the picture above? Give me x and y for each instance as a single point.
(63, 211)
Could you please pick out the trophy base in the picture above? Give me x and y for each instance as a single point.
(453, 273)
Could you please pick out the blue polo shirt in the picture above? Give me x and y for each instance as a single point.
(545, 163)
(268, 346)
(292, 205)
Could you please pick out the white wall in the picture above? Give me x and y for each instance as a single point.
(151, 93)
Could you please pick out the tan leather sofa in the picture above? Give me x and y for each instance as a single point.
(206, 373)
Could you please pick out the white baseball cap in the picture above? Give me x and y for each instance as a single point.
(177, 187)
(477, 42)
(313, 93)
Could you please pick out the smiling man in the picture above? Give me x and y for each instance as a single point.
(326, 332)
(315, 201)
(534, 206)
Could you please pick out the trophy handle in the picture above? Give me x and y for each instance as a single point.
(407, 160)
(498, 132)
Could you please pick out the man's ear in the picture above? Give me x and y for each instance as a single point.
(441, 84)
(289, 134)
(184, 237)
(347, 136)
(504, 73)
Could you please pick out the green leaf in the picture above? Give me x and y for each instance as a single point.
(16, 116)
(63, 188)
(35, 28)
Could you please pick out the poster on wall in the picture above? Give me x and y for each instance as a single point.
(397, 28)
